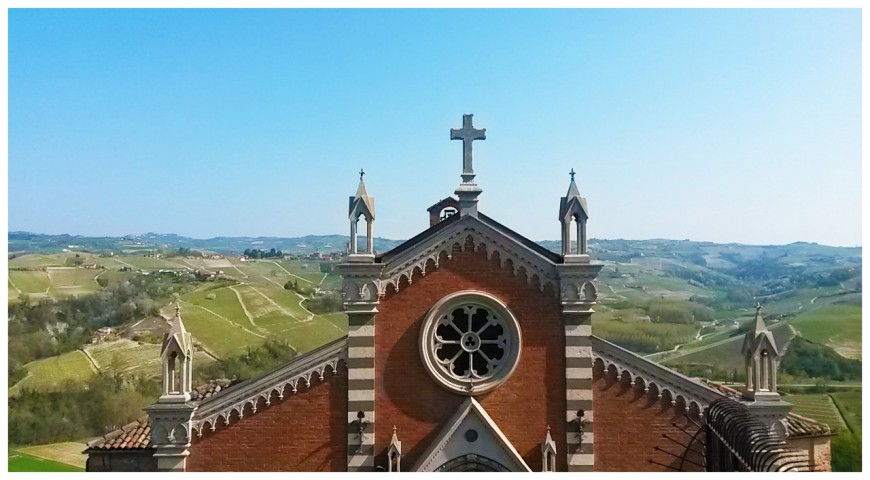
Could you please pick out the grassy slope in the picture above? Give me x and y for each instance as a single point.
(21, 462)
(69, 453)
(837, 326)
(30, 282)
(727, 355)
(51, 373)
(850, 407)
(817, 406)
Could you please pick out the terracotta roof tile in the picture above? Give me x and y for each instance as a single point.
(133, 436)
(137, 435)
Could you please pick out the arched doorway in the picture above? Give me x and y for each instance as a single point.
(471, 463)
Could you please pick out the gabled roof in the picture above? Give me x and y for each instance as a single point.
(177, 335)
(423, 236)
(446, 202)
(133, 436)
(488, 441)
(361, 203)
(754, 338)
(572, 202)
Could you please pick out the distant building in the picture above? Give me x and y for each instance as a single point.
(102, 334)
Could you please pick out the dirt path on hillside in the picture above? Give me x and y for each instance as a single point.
(244, 308)
(225, 319)
(685, 352)
(273, 281)
(98, 276)
(279, 307)
(91, 359)
(291, 274)
(15, 286)
(302, 299)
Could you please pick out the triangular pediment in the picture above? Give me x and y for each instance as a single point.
(482, 231)
(471, 437)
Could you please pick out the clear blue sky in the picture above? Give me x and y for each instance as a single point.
(721, 125)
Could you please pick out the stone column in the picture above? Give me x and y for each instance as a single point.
(577, 296)
(360, 292)
(170, 434)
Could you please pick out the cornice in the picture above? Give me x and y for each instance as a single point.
(296, 374)
(678, 387)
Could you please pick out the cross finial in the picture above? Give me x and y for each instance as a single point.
(467, 134)
(361, 173)
(572, 174)
(394, 429)
(758, 308)
(177, 309)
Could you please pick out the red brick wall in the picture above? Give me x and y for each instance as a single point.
(628, 426)
(405, 394)
(304, 432)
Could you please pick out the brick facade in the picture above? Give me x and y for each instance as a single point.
(304, 432)
(629, 425)
(522, 407)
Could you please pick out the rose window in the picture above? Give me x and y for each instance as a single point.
(470, 342)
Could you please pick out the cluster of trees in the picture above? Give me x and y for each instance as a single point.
(713, 372)
(326, 303)
(813, 360)
(257, 253)
(80, 410)
(254, 361)
(678, 311)
(645, 337)
(53, 327)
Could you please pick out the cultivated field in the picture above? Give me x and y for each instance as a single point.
(22, 462)
(52, 373)
(71, 281)
(226, 320)
(849, 404)
(817, 406)
(725, 354)
(836, 325)
(31, 282)
(68, 453)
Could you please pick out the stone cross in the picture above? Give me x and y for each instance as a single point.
(361, 173)
(757, 308)
(572, 174)
(467, 134)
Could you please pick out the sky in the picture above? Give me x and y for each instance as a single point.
(712, 125)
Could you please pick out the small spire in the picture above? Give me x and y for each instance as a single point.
(759, 320)
(573, 191)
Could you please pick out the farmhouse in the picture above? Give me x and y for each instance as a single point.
(470, 348)
(102, 334)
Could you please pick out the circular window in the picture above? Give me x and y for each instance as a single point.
(470, 342)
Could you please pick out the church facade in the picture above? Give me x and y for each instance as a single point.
(469, 348)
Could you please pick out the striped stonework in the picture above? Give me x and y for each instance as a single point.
(361, 390)
(578, 294)
(360, 298)
(578, 390)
